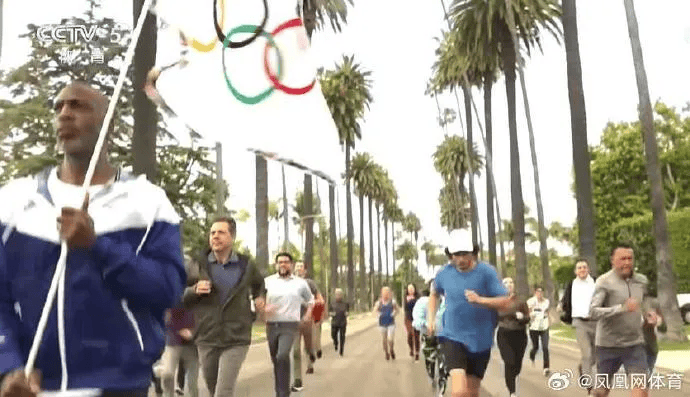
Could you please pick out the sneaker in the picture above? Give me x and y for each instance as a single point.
(318, 354)
(388, 356)
(297, 386)
(310, 370)
(179, 391)
(547, 372)
(513, 395)
(392, 354)
(312, 358)
(416, 357)
(336, 346)
(341, 353)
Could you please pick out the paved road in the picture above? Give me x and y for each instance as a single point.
(363, 371)
(564, 356)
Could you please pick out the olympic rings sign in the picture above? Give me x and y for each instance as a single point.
(274, 79)
(208, 47)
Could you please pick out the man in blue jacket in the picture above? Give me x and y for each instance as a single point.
(124, 266)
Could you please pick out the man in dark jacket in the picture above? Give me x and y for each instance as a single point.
(220, 299)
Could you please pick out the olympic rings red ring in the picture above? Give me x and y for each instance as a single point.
(293, 23)
(222, 37)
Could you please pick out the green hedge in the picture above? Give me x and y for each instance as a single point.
(638, 231)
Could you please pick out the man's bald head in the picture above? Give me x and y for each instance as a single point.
(80, 111)
(99, 100)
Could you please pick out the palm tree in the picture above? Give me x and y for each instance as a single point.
(453, 160)
(274, 214)
(286, 224)
(389, 206)
(145, 112)
(382, 193)
(578, 125)
(491, 19)
(541, 231)
(315, 13)
(333, 240)
(666, 281)
(1, 7)
(407, 252)
(362, 174)
(396, 216)
(347, 90)
(261, 204)
(302, 213)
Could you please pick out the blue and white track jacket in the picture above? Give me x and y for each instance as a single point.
(115, 293)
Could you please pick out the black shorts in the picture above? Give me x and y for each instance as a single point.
(456, 356)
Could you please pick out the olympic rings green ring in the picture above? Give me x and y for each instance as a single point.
(250, 100)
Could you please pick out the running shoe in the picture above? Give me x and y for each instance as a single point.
(297, 386)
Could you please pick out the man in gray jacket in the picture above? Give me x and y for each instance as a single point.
(617, 305)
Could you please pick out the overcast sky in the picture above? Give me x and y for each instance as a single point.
(396, 42)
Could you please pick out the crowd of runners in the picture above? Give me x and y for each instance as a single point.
(126, 279)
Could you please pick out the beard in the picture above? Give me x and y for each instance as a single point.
(282, 272)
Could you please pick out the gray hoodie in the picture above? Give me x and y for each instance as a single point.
(617, 327)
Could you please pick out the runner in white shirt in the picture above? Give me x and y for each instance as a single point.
(539, 326)
(284, 297)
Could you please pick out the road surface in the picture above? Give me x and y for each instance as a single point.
(364, 371)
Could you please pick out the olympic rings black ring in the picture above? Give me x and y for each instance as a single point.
(240, 44)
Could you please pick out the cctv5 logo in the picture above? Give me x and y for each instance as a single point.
(75, 33)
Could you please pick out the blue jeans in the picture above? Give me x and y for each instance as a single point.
(651, 361)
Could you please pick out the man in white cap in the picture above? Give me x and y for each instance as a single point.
(473, 291)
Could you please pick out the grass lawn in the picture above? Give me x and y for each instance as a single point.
(566, 331)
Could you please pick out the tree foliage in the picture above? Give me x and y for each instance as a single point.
(619, 178)
(28, 140)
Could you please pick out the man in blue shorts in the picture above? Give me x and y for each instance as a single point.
(473, 292)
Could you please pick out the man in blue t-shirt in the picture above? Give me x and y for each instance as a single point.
(473, 292)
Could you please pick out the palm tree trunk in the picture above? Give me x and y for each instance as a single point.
(145, 112)
(541, 232)
(469, 144)
(261, 212)
(666, 279)
(362, 262)
(378, 244)
(1, 20)
(371, 254)
(393, 247)
(350, 231)
(491, 222)
(308, 226)
(385, 232)
(285, 210)
(517, 203)
(334, 239)
(578, 126)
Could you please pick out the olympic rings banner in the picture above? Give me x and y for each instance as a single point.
(254, 89)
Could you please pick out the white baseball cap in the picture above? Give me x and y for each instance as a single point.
(459, 240)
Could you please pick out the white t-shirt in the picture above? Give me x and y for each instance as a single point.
(68, 195)
(285, 296)
(581, 297)
(539, 314)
